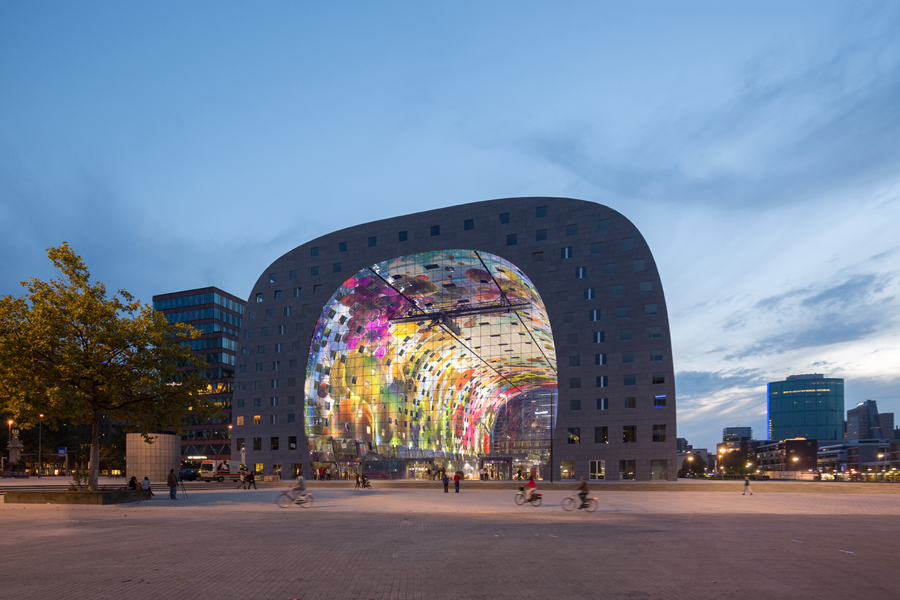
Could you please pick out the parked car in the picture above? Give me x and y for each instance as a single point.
(189, 474)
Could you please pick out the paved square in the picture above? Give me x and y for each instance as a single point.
(421, 543)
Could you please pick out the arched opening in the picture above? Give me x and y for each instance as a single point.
(431, 361)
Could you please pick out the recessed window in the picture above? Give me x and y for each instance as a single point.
(247, 334)
(574, 404)
(403, 236)
(659, 378)
(659, 401)
(277, 295)
(603, 225)
(659, 433)
(511, 239)
(259, 367)
(342, 246)
(257, 419)
(649, 310)
(622, 312)
(287, 311)
(599, 359)
(580, 272)
(292, 418)
(575, 383)
(618, 290)
(630, 402)
(264, 331)
(292, 440)
(624, 335)
(273, 401)
(296, 292)
(646, 287)
(589, 294)
(260, 349)
(245, 351)
(602, 403)
(541, 212)
(257, 402)
(278, 348)
(257, 442)
(629, 379)
(274, 384)
(639, 265)
(243, 368)
(252, 315)
(653, 332)
(609, 269)
(270, 312)
(629, 434)
(468, 224)
(314, 271)
(540, 235)
(435, 230)
(240, 404)
(259, 298)
(272, 277)
(276, 366)
(655, 355)
(293, 275)
(602, 381)
(572, 339)
(537, 257)
(273, 442)
(565, 252)
(628, 357)
(594, 315)
(599, 337)
(575, 360)
(504, 218)
(601, 436)
(572, 229)
(574, 435)
(240, 420)
(568, 318)
(336, 268)
(373, 241)
(627, 243)
(596, 248)
(314, 251)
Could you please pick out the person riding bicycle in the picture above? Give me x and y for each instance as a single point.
(530, 488)
(363, 480)
(299, 490)
(582, 493)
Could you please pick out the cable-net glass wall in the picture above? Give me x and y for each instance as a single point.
(421, 353)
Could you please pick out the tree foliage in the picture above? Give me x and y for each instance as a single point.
(70, 352)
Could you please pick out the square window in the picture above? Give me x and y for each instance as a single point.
(257, 402)
(617, 291)
(631, 402)
(575, 360)
(609, 269)
(336, 268)
(259, 297)
(659, 378)
(259, 367)
(292, 364)
(315, 290)
(277, 295)
(575, 383)
(240, 404)
(314, 251)
(594, 315)
(603, 225)
(252, 315)
(629, 434)
(270, 313)
(504, 218)
(629, 379)
(273, 442)
(273, 401)
(274, 384)
(602, 381)
(649, 310)
(599, 337)
(468, 224)
(568, 318)
(276, 366)
(646, 287)
(602, 403)
(314, 271)
(260, 349)
(596, 248)
(659, 401)
(373, 241)
(627, 243)
(282, 329)
(239, 443)
(537, 257)
(293, 275)
(296, 292)
(659, 433)
(264, 331)
(257, 442)
(292, 400)
(653, 332)
(287, 311)
(257, 419)
(342, 246)
(624, 335)
(291, 419)
(622, 312)
(243, 368)
(541, 212)
(435, 230)
(572, 229)
(565, 252)
(574, 404)
(655, 355)
(589, 294)
(272, 278)
(580, 272)
(540, 235)
(628, 357)
(574, 436)
(627, 470)
(639, 265)
(511, 239)
(403, 236)
(600, 359)
(292, 440)
(239, 421)
(601, 435)
(572, 339)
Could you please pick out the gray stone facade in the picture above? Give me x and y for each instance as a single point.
(586, 246)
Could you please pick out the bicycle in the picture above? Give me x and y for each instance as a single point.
(573, 501)
(535, 500)
(285, 499)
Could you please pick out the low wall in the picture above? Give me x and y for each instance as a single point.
(60, 497)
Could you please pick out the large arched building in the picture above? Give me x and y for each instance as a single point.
(524, 335)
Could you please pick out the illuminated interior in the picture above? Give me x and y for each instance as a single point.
(424, 351)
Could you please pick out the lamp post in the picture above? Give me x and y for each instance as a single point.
(40, 457)
(721, 461)
(796, 459)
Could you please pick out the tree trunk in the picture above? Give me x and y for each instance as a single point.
(94, 473)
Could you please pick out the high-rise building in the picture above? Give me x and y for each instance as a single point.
(736, 433)
(865, 423)
(218, 316)
(806, 406)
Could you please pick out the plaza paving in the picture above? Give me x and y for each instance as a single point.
(221, 542)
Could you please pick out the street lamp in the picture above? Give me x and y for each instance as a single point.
(796, 459)
(721, 460)
(40, 457)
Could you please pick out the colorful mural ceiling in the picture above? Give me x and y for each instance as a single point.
(422, 351)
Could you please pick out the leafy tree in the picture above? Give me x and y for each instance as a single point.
(72, 353)
(696, 467)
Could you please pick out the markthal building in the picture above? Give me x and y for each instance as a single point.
(519, 336)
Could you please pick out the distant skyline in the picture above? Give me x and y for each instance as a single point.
(754, 146)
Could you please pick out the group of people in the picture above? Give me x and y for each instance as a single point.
(582, 490)
(446, 481)
(144, 484)
(361, 480)
(247, 479)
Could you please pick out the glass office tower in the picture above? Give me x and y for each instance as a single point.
(806, 406)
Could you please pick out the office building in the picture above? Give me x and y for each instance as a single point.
(806, 406)
(865, 423)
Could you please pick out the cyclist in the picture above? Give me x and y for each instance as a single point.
(299, 490)
(530, 488)
(582, 493)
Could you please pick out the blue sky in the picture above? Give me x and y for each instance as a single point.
(755, 145)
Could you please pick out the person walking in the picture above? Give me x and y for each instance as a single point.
(251, 480)
(356, 476)
(172, 482)
(446, 481)
(243, 484)
(456, 479)
(747, 485)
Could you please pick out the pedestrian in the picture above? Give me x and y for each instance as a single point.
(356, 476)
(243, 484)
(172, 482)
(456, 479)
(251, 480)
(446, 481)
(747, 485)
(145, 485)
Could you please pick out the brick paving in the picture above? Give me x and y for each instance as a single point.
(421, 543)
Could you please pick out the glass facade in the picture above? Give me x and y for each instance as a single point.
(809, 407)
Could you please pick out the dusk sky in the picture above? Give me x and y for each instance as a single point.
(755, 145)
